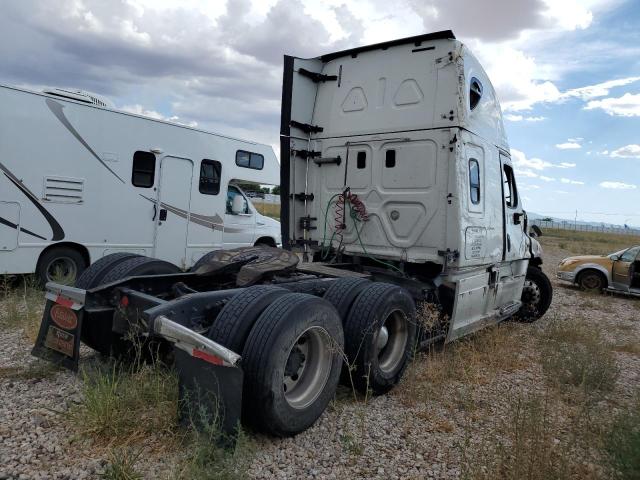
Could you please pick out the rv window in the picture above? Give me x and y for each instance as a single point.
(510, 190)
(249, 160)
(390, 159)
(144, 169)
(475, 92)
(474, 181)
(210, 177)
(361, 160)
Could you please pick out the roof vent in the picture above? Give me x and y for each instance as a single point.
(79, 95)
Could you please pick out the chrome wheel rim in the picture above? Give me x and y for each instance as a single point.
(62, 270)
(308, 367)
(531, 294)
(391, 342)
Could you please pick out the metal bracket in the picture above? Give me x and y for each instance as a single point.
(306, 127)
(305, 223)
(327, 160)
(317, 77)
(302, 196)
(449, 255)
(304, 154)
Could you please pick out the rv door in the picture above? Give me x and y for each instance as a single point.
(174, 209)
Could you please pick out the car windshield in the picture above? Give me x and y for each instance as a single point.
(616, 253)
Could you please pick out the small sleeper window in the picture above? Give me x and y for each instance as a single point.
(475, 92)
(474, 181)
(210, 177)
(361, 160)
(249, 160)
(144, 169)
(390, 159)
(510, 190)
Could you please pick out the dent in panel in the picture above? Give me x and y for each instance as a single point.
(355, 100)
(408, 93)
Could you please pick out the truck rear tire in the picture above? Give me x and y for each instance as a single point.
(343, 292)
(292, 361)
(93, 275)
(61, 265)
(234, 322)
(138, 266)
(537, 294)
(380, 337)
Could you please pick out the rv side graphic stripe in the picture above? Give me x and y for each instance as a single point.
(4, 221)
(56, 109)
(214, 222)
(58, 232)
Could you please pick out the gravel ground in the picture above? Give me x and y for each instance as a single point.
(387, 437)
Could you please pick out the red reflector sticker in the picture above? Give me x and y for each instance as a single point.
(64, 317)
(64, 301)
(207, 357)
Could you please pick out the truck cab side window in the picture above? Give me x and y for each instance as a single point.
(144, 169)
(210, 177)
(474, 181)
(510, 190)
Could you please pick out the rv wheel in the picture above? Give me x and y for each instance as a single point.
(537, 294)
(61, 265)
(380, 336)
(291, 362)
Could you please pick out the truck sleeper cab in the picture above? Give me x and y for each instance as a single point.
(397, 190)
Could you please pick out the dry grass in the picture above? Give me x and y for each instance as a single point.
(120, 405)
(575, 354)
(269, 209)
(22, 305)
(622, 444)
(475, 360)
(587, 243)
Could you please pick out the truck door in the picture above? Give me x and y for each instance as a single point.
(515, 244)
(621, 272)
(174, 209)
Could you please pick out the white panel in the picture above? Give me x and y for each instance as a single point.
(9, 224)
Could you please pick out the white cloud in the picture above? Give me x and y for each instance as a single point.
(566, 165)
(561, 192)
(599, 89)
(519, 118)
(568, 181)
(627, 105)
(568, 145)
(618, 185)
(628, 151)
(546, 179)
(140, 110)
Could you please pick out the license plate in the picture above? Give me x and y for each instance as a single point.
(60, 341)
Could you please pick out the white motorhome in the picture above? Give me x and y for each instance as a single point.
(79, 180)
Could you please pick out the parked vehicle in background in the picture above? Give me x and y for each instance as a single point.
(616, 272)
(397, 188)
(79, 180)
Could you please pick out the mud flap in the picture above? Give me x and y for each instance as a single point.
(209, 394)
(59, 336)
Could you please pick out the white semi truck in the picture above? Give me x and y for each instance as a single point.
(397, 190)
(80, 180)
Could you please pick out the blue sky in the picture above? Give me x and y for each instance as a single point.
(567, 72)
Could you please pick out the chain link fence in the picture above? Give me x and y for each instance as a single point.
(569, 225)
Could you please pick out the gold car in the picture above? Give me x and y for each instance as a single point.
(616, 272)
